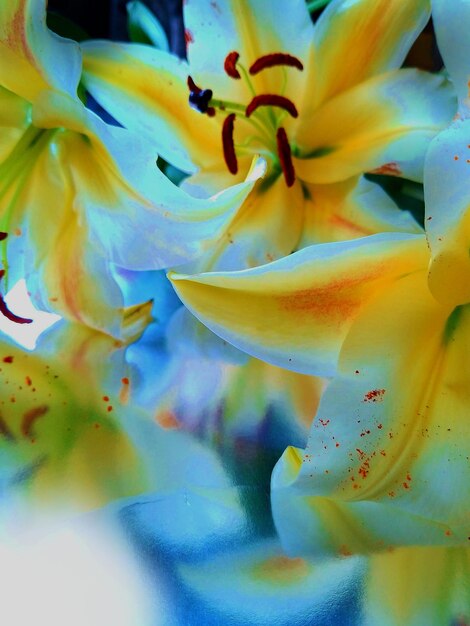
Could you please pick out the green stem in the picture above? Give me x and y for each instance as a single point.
(314, 5)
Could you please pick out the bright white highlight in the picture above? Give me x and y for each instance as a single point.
(26, 335)
(74, 575)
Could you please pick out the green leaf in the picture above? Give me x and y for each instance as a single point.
(144, 27)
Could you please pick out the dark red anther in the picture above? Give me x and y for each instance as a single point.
(3, 235)
(271, 100)
(285, 157)
(228, 145)
(277, 58)
(230, 64)
(5, 311)
(193, 88)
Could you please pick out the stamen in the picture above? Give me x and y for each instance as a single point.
(230, 64)
(285, 157)
(3, 236)
(228, 145)
(271, 100)
(199, 98)
(5, 311)
(277, 58)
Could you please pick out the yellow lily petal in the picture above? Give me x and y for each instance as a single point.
(295, 312)
(213, 29)
(447, 195)
(416, 586)
(388, 450)
(350, 209)
(119, 193)
(145, 90)
(357, 40)
(256, 388)
(450, 22)
(13, 120)
(261, 231)
(32, 58)
(348, 136)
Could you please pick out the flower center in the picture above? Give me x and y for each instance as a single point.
(265, 112)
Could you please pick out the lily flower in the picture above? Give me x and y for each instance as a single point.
(58, 445)
(322, 103)
(71, 199)
(388, 448)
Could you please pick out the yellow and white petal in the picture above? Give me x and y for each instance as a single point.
(416, 586)
(450, 22)
(33, 58)
(447, 196)
(268, 226)
(351, 209)
(388, 449)
(348, 135)
(66, 272)
(14, 117)
(355, 41)
(146, 91)
(295, 312)
(213, 29)
(141, 218)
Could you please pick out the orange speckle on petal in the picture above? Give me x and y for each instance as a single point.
(168, 420)
(375, 395)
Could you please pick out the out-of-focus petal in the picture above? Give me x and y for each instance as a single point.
(418, 586)
(59, 445)
(295, 312)
(271, 587)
